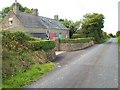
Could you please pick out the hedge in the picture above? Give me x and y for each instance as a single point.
(17, 40)
(41, 45)
(77, 36)
(14, 40)
(9, 36)
(119, 41)
(77, 40)
(20, 51)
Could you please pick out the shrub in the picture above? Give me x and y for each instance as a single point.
(41, 45)
(119, 41)
(77, 40)
(17, 40)
(20, 61)
(78, 35)
(118, 34)
(34, 39)
(20, 36)
(15, 62)
(14, 40)
(21, 51)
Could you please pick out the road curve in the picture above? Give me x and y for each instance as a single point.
(93, 68)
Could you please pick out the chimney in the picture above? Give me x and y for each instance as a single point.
(16, 7)
(35, 12)
(56, 17)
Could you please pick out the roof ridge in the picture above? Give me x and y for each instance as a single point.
(40, 21)
(37, 16)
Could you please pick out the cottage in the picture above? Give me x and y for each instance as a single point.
(38, 26)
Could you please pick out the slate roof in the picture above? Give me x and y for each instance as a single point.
(30, 20)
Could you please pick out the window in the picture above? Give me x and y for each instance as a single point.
(10, 21)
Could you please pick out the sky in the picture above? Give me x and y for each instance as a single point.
(74, 9)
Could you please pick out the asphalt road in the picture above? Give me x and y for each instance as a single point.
(94, 67)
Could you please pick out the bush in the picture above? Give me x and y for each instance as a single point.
(14, 40)
(118, 34)
(119, 41)
(21, 51)
(15, 62)
(34, 39)
(41, 45)
(78, 35)
(9, 36)
(17, 40)
(77, 40)
(20, 61)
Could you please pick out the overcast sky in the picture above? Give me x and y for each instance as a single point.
(74, 9)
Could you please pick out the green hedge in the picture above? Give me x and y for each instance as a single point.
(14, 40)
(77, 40)
(119, 41)
(15, 36)
(20, 51)
(77, 36)
(41, 45)
(17, 40)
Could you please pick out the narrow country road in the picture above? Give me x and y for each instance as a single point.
(94, 67)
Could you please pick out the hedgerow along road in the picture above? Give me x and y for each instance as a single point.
(94, 67)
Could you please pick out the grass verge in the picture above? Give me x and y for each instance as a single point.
(118, 40)
(22, 79)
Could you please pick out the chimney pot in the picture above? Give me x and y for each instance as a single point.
(35, 12)
(16, 8)
(56, 17)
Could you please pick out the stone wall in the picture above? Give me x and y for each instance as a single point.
(43, 57)
(51, 54)
(74, 46)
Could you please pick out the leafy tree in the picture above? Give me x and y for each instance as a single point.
(73, 26)
(92, 25)
(111, 35)
(0, 17)
(118, 33)
(4, 11)
(21, 8)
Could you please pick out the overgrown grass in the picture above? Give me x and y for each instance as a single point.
(25, 78)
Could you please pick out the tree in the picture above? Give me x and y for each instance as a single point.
(4, 11)
(73, 26)
(92, 25)
(118, 33)
(21, 8)
(111, 35)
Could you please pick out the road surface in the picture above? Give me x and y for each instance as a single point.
(95, 67)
